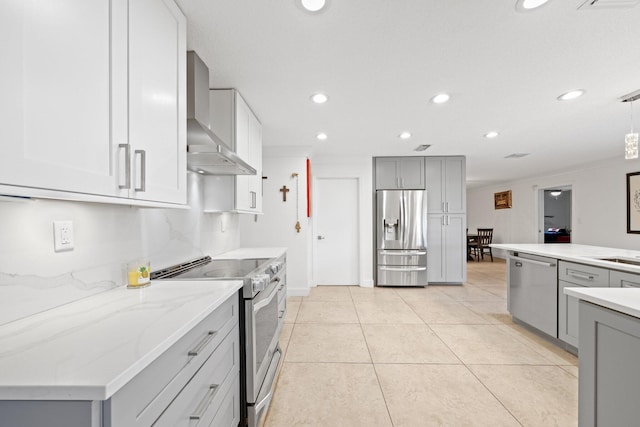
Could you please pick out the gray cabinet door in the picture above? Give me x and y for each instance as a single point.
(609, 383)
(399, 173)
(620, 279)
(568, 314)
(446, 187)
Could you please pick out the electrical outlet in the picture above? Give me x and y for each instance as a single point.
(63, 235)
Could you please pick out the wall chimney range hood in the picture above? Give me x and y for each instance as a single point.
(206, 152)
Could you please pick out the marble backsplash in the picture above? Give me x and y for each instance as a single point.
(34, 278)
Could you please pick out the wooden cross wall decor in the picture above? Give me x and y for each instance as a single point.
(284, 190)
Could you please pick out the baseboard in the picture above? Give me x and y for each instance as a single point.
(367, 284)
(297, 292)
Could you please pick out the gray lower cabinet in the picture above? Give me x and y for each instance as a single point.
(575, 275)
(194, 382)
(609, 383)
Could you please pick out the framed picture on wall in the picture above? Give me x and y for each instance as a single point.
(502, 200)
(633, 202)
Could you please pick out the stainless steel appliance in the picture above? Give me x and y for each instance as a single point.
(401, 228)
(264, 308)
(533, 291)
(206, 152)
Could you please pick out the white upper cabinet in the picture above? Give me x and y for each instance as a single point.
(90, 89)
(399, 173)
(157, 100)
(56, 96)
(446, 189)
(233, 121)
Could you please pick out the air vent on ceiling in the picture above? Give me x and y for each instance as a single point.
(630, 97)
(608, 4)
(421, 147)
(516, 155)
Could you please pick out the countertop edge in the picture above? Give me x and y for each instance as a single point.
(581, 254)
(612, 298)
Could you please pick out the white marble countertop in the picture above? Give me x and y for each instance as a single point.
(624, 300)
(89, 349)
(583, 254)
(244, 253)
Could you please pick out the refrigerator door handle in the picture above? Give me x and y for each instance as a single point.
(403, 253)
(402, 268)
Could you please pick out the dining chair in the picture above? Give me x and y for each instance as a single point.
(481, 246)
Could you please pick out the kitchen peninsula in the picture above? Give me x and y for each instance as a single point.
(599, 311)
(537, 275)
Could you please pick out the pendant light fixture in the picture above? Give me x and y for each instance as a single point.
(631, 141)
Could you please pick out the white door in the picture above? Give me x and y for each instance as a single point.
(336, 231)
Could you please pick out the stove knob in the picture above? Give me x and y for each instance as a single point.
(256, 284)
(274, 268)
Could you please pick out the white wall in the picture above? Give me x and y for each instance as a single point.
(34, 278)
(276, 226)
(598, 205)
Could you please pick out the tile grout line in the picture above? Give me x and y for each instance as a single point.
(373, 365)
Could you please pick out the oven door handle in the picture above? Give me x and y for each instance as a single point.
(257, 306)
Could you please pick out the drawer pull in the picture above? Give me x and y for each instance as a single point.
(206, 340)
(580, 276)
(282, 313)
(201, 409)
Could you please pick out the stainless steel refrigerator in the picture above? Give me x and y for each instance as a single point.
(401, 229)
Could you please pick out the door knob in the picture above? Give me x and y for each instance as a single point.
(320, 237)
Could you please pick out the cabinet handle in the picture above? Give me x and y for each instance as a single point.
(282, 312)
(202, 344)
(143, 170)
(253, 199)
(204, 404)
(127, 166)
(448, 220)
(447, 205)
(580, 275)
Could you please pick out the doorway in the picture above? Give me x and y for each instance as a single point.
(336, 248)
(555, 215)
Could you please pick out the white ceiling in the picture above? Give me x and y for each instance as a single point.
(380, 62)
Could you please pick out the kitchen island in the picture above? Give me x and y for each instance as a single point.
(539, 273)
(122, 357)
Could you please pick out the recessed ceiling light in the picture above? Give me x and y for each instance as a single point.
(573, 94)
(491, 134)
(527, 5)
(322, 136)
(313, 5)
(200, 171)
(405, 135)
(319, 98)
(440, 98)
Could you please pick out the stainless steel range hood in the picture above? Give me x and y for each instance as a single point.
(206, 152)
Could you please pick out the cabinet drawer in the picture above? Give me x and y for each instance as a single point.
(585, 275)
(229, 413)
(621, 279)
(202, 398)
(143, 399)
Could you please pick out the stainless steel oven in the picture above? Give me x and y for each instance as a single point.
(264, 308)
(264, 317)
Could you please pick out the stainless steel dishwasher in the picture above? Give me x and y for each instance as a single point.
(532, 296)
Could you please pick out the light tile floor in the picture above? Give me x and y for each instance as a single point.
(438, 356)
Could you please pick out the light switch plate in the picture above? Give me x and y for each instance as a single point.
(63, 235)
